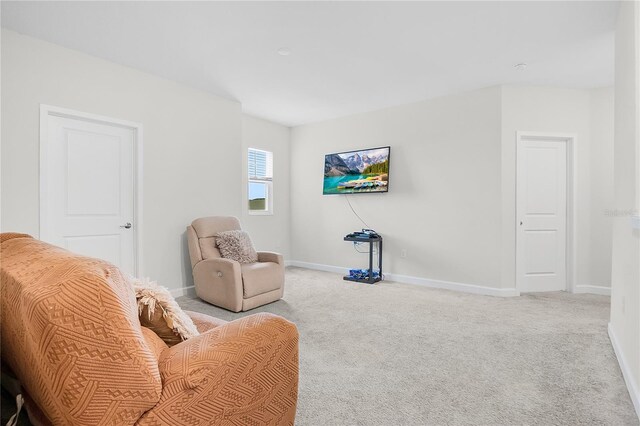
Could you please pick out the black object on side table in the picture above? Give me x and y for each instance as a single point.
(371, 238)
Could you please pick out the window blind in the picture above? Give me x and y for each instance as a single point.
(260, 164)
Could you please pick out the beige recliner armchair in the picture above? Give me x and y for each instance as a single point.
(225, 282)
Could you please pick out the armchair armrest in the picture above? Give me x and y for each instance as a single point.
(269, 256)
(242, 372)
(219, 281)
(204, 322)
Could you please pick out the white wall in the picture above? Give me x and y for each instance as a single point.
(443, 206)
(601, 185)
(451, 203)
(192, 143)
(272, 232)
(589, 115)
(625, 297)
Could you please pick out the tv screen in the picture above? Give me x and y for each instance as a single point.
(355, 172)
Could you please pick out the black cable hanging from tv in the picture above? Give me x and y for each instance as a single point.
(355, 213)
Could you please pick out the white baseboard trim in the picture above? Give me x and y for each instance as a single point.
(454, 286)
(319, 267)
(632, 386)
(593, 289)
(425, 282)
(182, 291)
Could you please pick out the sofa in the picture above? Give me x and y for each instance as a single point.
(72, 336)
(224, 282)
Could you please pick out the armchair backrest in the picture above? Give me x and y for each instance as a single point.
(71, 333)
(201, 235)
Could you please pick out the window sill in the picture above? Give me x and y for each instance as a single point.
(254, 213)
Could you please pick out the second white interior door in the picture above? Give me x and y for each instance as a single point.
(541, 215)
(88, 189)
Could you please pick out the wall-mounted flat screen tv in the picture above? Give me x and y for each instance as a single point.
(355, 172)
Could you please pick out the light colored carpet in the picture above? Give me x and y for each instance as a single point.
(397, 354)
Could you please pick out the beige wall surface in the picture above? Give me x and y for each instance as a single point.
(451, 203)
(601, 184)
(587, 114)
(443, 204)
(192, 143)
(625, 292)
(269, 232)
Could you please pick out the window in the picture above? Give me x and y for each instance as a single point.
(260, 188)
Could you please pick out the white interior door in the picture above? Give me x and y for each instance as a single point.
(87, 189)
(541, 215)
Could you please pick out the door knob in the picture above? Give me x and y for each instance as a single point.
(126, 225)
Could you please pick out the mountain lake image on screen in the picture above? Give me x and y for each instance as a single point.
(355, 172)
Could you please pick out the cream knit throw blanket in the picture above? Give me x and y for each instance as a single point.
(150, 294)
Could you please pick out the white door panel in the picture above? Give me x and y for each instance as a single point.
(93, 187)
(541, 215)
(89, 189)
(106, 247)
(540, 242)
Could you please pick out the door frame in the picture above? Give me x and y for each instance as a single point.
(570, 140)
(47, 111)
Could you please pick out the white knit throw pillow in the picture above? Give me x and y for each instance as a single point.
(152, 297)
(236, 245)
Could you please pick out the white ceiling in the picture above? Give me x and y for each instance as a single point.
(347, 57)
